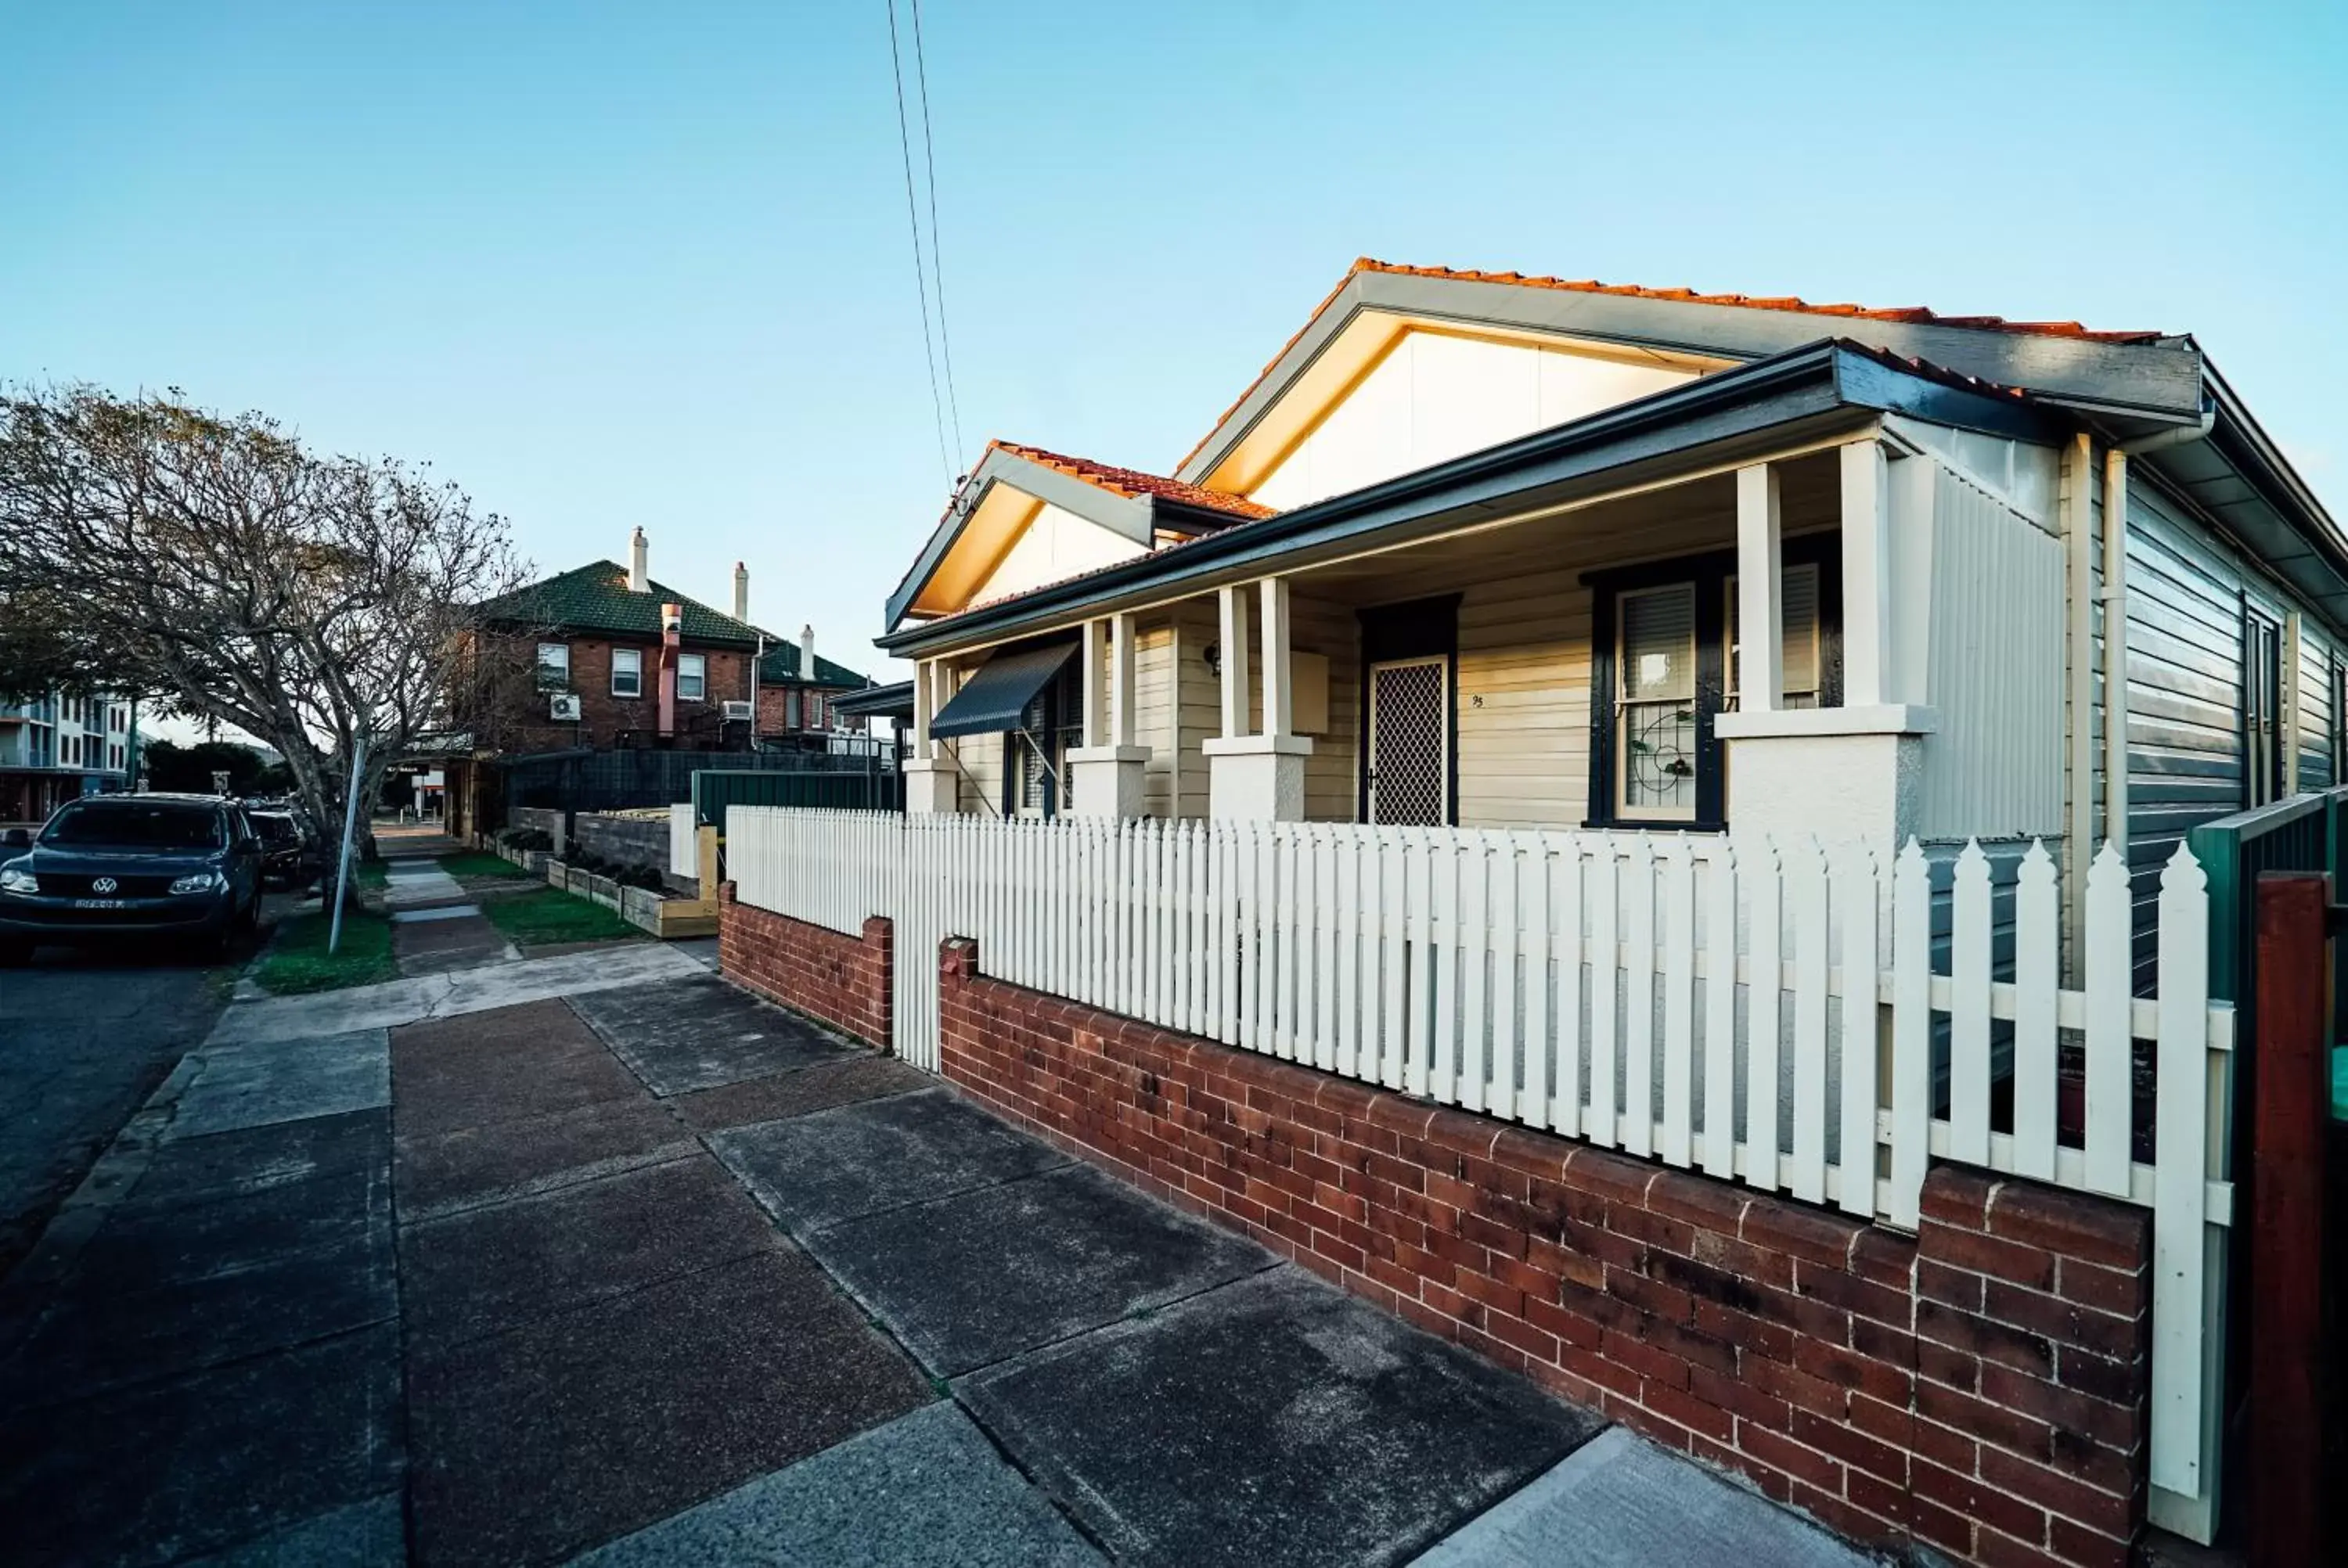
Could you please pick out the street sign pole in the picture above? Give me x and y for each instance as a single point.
(343, 861)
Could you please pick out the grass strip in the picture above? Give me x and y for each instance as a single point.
(480, 865)
(546, 916)
(297, 962)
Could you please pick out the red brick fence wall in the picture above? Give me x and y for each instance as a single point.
(1980, 1386)
(842, 981)
(1979, 1389)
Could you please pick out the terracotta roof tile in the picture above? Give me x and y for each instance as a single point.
(1133, 483)
(1915, 314)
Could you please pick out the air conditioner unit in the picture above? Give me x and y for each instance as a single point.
(737, 710)
(564, 705)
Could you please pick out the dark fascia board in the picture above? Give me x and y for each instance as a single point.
(878, 701)
(1817, 387)
(2160, 379)
(1124, 515)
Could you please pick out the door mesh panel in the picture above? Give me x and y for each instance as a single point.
(1409, 759)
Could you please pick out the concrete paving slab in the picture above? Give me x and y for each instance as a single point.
(828, 1166)
(700, 1032)
(442, 912)
(99, 1334)
(440, 996)
(610, 1418)
(251, 1160)
(199, 1464)
(446, 945)
(143, 1246)
(472, 1165)
(817, 1088)
(405, 885)
(925, 1488)
(369, 1534)
(487, 1069)
(1620, 1498)
(284, 1081)
(1273, 1421)
(495, 1268)
(970, 1280)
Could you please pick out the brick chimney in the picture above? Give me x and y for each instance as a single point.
(741, 591)
(640, 570)
(672, 641)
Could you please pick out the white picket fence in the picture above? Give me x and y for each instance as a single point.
(683, 859)
(1602, 986)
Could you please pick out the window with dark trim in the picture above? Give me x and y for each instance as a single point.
(2339, 720)
(2262, 737)
(1663, 662)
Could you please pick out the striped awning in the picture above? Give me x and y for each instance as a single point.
(996, 698)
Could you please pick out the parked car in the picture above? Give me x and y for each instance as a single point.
(131, 866)
(290, 856)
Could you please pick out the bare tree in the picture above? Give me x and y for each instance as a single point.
(306, 599)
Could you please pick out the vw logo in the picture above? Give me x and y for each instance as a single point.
(104, 885)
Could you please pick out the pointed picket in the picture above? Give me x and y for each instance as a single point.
(1806, 881)
(1348, 1022)
(1855, 898)
(1763, 1014)
(1968, 973)
(1394, 960)
(1324, 948)
(2038, 954)
(2110, 1053)
(1912, 1035)
(1720, 1015)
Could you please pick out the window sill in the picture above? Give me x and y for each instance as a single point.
(1885, 718)
(1651, 824)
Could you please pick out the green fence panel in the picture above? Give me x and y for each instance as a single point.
(716, 789)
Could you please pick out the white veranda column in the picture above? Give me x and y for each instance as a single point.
(1866, 576)
(1258, 777)
(930, 780)
(1760, 591)
(1107, 776)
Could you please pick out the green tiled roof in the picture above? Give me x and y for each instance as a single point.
(596, 598)
(782, 663)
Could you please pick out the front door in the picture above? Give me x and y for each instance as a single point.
(1410, 742)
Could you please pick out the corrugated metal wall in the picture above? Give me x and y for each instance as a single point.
(1994, 766)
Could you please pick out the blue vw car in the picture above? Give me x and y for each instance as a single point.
(131, 867)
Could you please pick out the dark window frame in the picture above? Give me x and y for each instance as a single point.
(1708, 572)
(2262, 652)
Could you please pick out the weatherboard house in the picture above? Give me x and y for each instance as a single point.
(1648, 832)
(1491, 550)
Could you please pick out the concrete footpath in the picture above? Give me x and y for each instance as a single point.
(633, 1268)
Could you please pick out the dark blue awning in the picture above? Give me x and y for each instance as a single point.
(996, 698)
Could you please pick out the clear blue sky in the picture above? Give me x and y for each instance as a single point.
(623, 264)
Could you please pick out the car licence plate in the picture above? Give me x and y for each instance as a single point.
(102, 903)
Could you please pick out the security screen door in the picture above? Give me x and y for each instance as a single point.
(1410, 742)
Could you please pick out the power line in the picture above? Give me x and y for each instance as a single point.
(913, 219)
(937, 250)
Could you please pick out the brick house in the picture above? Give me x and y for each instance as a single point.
(621, 661)
(797, 689)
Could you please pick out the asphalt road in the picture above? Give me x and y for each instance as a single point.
(84, 1036)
